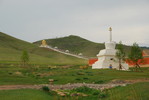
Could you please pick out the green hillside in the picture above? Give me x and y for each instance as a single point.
(77, 45)
(11, 50)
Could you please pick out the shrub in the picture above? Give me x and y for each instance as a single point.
(52, 93)
(45, 88)
(85, 78)
(83, 89)
(25, 57)
(80, 73)
(96, 92)
(55, 80)
(10, 73)
(87, 90)
(38, 75)
(78, 79)
(99, 82)
(103, 95)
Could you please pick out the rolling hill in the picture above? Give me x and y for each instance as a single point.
(76, 44)
(11, 50)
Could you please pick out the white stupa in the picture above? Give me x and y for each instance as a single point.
(107, 56)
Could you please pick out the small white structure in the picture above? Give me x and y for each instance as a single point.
(67, 51)
(80, 54)
(107, 56)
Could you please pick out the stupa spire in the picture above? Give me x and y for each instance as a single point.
(110, 29)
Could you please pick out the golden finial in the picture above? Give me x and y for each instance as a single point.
(110, 29)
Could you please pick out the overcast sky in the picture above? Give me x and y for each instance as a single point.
(33, 20)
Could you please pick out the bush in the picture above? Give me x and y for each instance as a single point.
(10, 73)
(96, 92)
(52, 93)
(87, 90)
(80, 73)
(83, 89)
(103, 95)
(99, 82)
(85, 78)
(45, 88)
(55, 80)
(78, 79)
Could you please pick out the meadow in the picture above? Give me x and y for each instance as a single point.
(138, 91)
(40, 74)
(11, 50)
(15, 74)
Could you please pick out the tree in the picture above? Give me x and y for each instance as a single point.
(25, 57)
(135, 55)
(120, 54)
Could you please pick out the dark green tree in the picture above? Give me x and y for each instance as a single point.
(25, 58)
(120, 54)
(135, 56)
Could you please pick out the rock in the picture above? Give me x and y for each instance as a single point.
(18, 73)
(51, 81)
(78, 94)
(60, 93)
(74, 94)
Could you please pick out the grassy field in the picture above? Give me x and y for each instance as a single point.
(76, 44)
(11, 51)
(24, 94)
(39, 74)
(137, 91)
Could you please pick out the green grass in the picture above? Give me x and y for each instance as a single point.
(138, 91)
(76, 44)
(24, 94)
(63, 76)
(73, 74)
(11, 51)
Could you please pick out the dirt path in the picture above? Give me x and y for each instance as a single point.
(112, 84)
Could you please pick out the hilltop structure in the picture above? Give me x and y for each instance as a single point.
(44, 44)
(107, 57)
